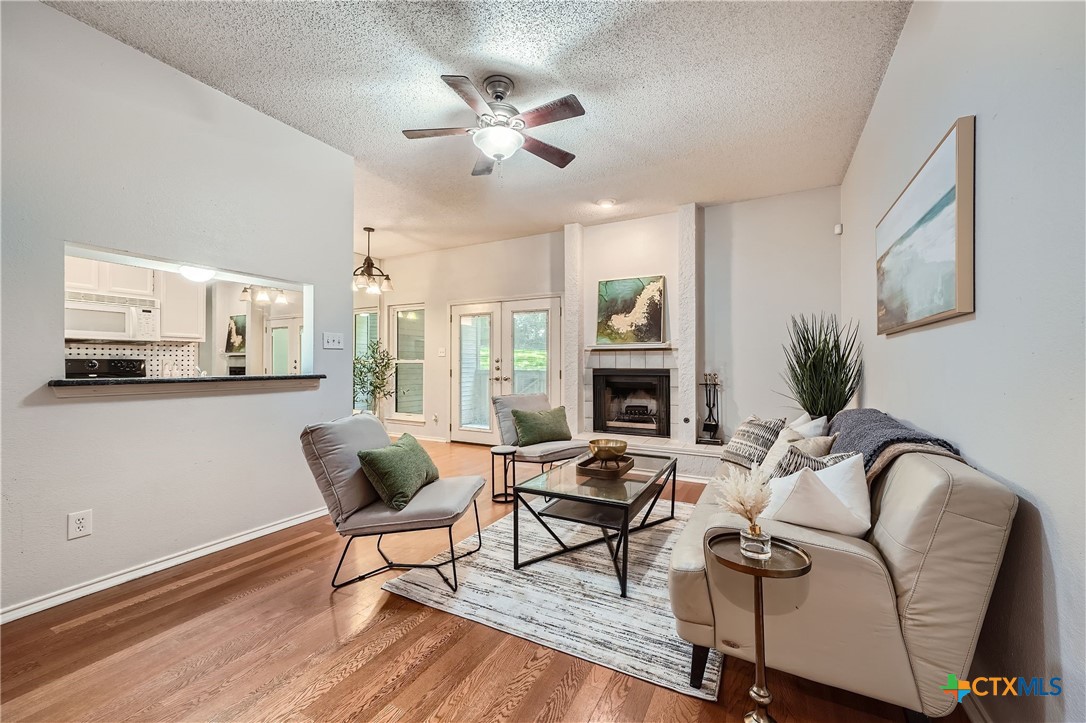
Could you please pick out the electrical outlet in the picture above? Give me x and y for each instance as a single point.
(333, 340)
(79, 524)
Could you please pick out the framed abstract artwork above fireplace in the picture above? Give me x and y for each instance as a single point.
(630, 312)
(632, 401)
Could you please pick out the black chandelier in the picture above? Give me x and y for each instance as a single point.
(368, 277)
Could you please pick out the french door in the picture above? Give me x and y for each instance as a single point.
(507, 347)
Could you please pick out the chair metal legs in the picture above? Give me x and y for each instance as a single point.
(390, 565)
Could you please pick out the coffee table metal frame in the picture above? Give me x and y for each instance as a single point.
(758, 569)
(611, 516)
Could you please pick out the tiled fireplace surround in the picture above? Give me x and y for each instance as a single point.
(630, 359)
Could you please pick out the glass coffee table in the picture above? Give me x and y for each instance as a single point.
(612, 505)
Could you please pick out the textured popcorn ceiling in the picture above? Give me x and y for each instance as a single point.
(705, 102)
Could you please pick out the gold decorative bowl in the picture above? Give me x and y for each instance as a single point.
(607, 450)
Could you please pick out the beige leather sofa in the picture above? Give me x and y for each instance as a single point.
(889, 615)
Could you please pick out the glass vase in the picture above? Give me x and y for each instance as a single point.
(754, 543)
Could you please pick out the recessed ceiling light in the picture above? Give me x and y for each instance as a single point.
(606, 202)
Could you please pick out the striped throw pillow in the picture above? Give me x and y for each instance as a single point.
(752, 441)
(796, 459)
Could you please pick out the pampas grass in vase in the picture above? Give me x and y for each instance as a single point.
(747, 494)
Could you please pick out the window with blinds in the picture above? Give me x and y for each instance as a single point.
(409, 333)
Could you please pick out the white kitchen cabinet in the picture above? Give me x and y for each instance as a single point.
(80, 274)
(183, 307)
(122, 280)
(102, 277)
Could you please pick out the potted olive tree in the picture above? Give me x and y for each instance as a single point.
(373, 372)
(824, 364)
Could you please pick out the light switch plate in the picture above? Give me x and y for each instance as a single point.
(333, 340)
(441, 351)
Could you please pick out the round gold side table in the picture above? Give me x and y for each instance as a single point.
(788, 560)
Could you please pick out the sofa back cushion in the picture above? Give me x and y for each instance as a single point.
(941, 527)
(331, 449)
(503, 409)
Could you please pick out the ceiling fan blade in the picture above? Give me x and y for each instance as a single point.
(435, 132)
(484, 166)
(471, 95)
(565, 107)
(547, 152)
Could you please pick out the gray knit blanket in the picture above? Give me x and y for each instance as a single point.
(870, 432)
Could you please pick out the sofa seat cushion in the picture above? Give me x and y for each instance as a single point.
(438, 504)
(551, 451)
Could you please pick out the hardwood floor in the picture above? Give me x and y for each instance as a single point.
(256, 633)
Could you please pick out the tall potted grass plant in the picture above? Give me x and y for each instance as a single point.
(824, 364)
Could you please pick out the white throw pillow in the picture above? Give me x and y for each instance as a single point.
(835, 499)
(809, 427)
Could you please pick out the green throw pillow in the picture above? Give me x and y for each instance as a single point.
(536, 427)
(399, 470)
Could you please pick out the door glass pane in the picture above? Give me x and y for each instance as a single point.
(530, 352)
(280, 343)
(475, 371)
(409, 387)
(410, 334)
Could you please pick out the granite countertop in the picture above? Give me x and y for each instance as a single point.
(121, 381)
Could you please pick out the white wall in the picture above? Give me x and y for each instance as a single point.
(1006, 384)
(105, 146)
(625, 249)
(764, 261)
(530, 266)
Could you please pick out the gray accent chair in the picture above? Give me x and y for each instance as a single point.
(543, 453)
(331, 449)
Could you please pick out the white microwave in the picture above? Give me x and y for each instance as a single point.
(102, 317)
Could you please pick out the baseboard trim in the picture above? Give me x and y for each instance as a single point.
(974, 711)
(44, 602)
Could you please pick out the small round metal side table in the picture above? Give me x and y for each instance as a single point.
(788, 560)
(506, 452)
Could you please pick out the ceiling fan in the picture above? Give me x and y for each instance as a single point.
(500, 132)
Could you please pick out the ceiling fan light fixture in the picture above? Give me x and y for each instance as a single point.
(606, 203)
(498, 142)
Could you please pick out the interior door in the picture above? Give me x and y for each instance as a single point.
(476, 372)
(283, 346)
(509, 347)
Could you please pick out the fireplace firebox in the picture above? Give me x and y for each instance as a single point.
(632, 401)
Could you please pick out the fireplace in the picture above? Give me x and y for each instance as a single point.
(632, 401)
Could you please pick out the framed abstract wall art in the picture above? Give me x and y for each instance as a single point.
(630, 311)
(235, 335)
(924, 243)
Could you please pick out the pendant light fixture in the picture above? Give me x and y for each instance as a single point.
(281, 297)
(262, 297)
(368, 276)
(246, 294)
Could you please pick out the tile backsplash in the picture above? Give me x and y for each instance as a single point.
(158, 355)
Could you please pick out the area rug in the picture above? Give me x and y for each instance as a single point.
(571, 603)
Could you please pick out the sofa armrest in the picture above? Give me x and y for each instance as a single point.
(837, 625)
